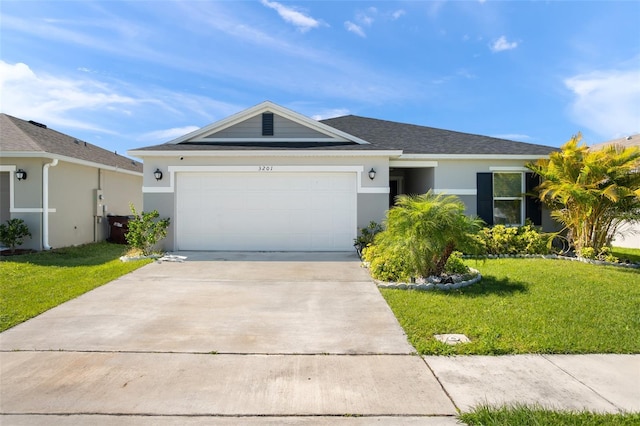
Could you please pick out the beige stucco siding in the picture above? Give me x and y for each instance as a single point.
(72, 219)
(27, 197)
(72, 193)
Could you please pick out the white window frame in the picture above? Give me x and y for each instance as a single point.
(521, 197)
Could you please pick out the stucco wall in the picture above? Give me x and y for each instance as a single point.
(165, 204)
(72, 194)
(27, 197)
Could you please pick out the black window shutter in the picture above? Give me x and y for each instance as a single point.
(484, 197)
(533, 207)
(267, 124)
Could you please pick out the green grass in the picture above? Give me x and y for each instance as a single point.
(528, 306)
(626, 253)
(522, 415)
(33, 283)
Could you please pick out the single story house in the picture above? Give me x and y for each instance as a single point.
(628, 233)
(62, 187)
(269, 178)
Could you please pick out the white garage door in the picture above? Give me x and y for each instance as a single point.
(265, 211)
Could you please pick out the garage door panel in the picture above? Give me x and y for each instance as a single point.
(265, 211)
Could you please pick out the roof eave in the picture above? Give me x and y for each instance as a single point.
(42, 154)
(260, 153)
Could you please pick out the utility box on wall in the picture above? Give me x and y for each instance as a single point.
(98, 198)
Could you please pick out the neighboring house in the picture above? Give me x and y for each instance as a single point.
(69, 188)
(628, 233)
(268, 178)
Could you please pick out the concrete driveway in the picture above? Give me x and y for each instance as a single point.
(277, 338)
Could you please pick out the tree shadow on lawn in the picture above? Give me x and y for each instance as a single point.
(490, 285)
(85, 255)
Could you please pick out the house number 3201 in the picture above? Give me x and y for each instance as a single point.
(265, 168)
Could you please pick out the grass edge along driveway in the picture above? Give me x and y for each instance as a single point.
(528, 306)
(34, 283)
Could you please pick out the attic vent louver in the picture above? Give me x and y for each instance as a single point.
(267, 124)
(35, 123)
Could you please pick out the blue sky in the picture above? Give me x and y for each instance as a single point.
(127, 74)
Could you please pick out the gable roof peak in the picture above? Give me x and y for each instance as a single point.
(266, 106)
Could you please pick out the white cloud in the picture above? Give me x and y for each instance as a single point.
(330, 113)
(168, 134)
(398, 13)
(74, 103)
(606, 102)
(365, 19)
(300, 20)
(502, 44)
(354, 28)
(26, 94)
(513, 137)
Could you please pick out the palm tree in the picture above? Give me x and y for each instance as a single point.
(428, 228)
(591, 192)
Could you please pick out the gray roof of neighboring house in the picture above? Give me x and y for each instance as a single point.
(631, 140)
(17, 135)
(383, 135)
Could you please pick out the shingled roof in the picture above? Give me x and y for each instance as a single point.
(382, 135)
(414, 139)
(20, 136)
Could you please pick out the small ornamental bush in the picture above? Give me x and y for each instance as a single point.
(386, 265)
(145, 231)
(455, 264)
(604, 254)
(13, 232)
(420, 234)
(525, 239)
(367, 235)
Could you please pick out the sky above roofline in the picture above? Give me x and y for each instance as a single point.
(125, 74)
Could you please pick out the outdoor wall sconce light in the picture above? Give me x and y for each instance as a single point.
(21, 174)
(157, 174)
(372, 174)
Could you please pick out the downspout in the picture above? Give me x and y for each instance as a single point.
(45, 203)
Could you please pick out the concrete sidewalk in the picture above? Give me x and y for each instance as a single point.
(267, 339)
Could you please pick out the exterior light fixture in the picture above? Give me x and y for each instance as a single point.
(157, 174)
(21, 174)
(372, 174)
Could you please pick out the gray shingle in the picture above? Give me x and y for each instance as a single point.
(414, 139)
(17, 135)
(386, 135)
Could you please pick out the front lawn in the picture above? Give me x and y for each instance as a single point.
(623, 253)
(528, 306)
(33, 283)
(533, 416)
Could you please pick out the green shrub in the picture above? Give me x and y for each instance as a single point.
(604, 254)
(386, 265)
(421, 232)
(367, 235)
(145, 231)
(525, 239)
(13, 232)
(455, 264)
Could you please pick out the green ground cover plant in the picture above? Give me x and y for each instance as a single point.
(528, 306)
(523, 415)
(33, 283)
